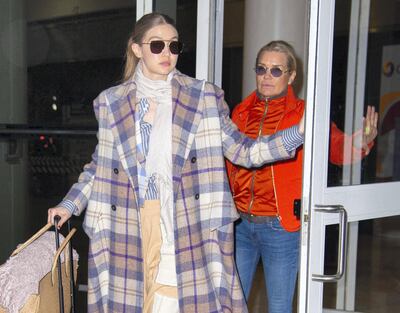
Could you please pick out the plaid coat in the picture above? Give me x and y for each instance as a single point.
(204, 211)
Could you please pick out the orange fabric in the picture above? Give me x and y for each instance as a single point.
(263, 118)
(284, 176)
(339, 143)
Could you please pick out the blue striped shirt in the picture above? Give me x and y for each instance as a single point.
(145, 131)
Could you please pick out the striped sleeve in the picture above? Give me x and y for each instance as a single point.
(244, 151)
(292, 138)
(69, 205)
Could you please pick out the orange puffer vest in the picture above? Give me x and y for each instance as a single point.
(286, 175)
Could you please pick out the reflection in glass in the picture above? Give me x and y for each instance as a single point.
(377, 266)
(54, 164)
(232, 60)
(74, 50)
(382, 88)
(185, 15)
(71, 58)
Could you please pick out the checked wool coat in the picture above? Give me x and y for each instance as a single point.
(204, 212)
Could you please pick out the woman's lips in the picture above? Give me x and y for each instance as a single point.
(267, 86)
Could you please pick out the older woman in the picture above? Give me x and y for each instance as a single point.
(265, 196)
(159, 210)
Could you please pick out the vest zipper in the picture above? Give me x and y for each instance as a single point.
(253, 177)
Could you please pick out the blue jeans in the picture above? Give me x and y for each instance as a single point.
(279, 251)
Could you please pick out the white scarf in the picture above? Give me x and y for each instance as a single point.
(159, 158)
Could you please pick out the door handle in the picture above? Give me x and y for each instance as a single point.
(342, 242)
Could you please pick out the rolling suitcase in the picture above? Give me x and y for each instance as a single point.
(56, 291)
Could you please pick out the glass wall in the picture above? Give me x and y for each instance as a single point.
(366, 72)
(70, 60)
(232, 58)
(71, 52)
(184, 12)
(377, 270)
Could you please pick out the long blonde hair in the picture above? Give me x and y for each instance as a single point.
(145, 23)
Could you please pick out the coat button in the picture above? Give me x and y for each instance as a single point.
(113, 207)
(193, 160)
(197, 196)
(116, 171)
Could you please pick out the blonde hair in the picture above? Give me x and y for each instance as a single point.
(144, 24)
(283, 47)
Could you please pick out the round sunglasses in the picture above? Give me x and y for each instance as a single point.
(157, 46)
(275, 70)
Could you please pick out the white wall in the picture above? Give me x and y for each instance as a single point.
(267, 20)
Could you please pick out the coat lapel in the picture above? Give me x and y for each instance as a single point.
(187, 110)
(121, 102)
(188, 105)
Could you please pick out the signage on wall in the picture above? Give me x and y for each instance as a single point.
(389, 113)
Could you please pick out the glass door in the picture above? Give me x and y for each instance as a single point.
(57, 56)
(353, 61)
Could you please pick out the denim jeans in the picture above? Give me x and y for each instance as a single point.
(279, 251)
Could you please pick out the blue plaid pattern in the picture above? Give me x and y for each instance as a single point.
(202, 134)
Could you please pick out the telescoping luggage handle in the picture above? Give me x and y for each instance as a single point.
(57, 260)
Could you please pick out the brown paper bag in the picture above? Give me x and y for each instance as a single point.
(47, 300)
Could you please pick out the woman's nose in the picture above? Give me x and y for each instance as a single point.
(166, 50)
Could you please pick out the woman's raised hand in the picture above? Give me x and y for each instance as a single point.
(370, 128)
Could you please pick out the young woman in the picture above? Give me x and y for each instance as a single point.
(159, 209)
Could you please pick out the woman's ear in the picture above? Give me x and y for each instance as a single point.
(137, 50)
(292, 77)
